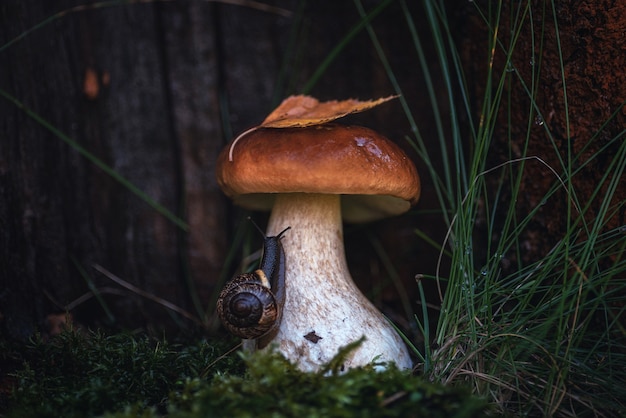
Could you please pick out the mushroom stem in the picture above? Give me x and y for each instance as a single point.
(324, 310)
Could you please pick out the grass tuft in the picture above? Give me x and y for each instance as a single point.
(539, 337)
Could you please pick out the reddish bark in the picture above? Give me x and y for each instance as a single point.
(591, 36)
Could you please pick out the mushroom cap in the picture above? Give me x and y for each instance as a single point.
(374, 176)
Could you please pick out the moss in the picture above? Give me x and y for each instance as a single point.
(274, 387)
(136, 376)
(86, 374)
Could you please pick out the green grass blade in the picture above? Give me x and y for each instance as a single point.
(98, 162)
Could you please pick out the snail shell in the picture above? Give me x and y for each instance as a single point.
(250, 305)
(247, 306)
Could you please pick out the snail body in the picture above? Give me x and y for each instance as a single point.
(250, 305)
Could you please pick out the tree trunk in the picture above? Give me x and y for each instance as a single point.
(116, 81)
(592, 47)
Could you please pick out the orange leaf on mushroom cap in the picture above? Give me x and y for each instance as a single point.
(302, 111)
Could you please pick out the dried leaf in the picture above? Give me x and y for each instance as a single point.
(301, 111)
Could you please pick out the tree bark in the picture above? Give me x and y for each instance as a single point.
(590, 35)
(110, 80)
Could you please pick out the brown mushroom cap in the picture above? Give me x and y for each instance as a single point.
(373, 174)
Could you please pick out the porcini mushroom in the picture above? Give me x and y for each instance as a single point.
(309, 177)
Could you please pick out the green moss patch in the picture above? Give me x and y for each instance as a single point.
(91, 374)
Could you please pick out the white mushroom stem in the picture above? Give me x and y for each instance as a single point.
(324, 310)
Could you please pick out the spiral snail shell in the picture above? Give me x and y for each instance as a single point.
(250, 305)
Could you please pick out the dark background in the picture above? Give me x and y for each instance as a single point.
(156, 89)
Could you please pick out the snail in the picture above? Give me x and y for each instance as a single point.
(250, 305)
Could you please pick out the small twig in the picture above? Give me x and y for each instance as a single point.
(86, 296)
(391, 399)
(206, 370)
(140, 292)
